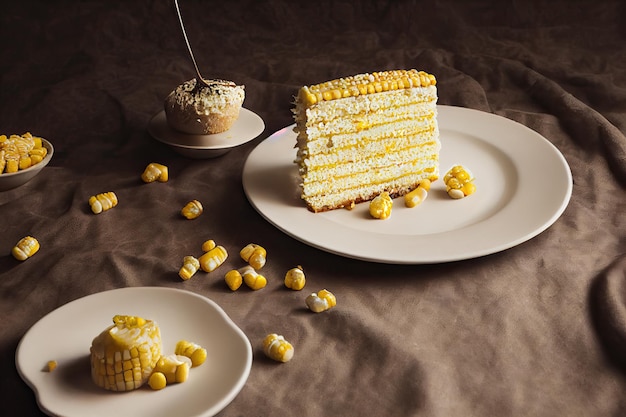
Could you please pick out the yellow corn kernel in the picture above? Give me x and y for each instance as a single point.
(12, 165)
(459, 182)
(157, 381)
(192, 210)
(211, 260)
(155, 172)
(25, 248)
(418, 195)
(189, 268)
(51, 365)
(174, 367)
(25, 162)
(196, 353)
(321, 301)
(277, 348)
(380, 206)
(3, 160)
(295, 279)
(102, 202)
(362, 84)
(233, 279)
(254, 254)
(38, 151)
(252, 278)
(208, 245)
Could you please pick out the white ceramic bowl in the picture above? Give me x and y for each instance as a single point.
(15, 179)
(248, 126)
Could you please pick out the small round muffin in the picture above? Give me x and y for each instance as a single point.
(206, 110)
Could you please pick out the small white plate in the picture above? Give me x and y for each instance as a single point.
(523, 186)
(65, 335)
(248, 126)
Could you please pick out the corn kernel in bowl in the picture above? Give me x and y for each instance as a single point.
(18, 172)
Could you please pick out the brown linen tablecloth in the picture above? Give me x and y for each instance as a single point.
(536, 330)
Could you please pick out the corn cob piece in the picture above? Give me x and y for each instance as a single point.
(155, 172)
(189, 268)
(125, 354)
(459, 182)
(277, 348)
(253, 279)
(321, 301)
(192, 210)
(196, 353)
(25, 248)
(295, 278)
(418, 195)
(212, 259)
(254, 254)
(102, 202)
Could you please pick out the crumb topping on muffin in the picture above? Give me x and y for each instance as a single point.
(211, 99)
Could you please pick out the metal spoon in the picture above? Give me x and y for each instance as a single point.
(200, 82)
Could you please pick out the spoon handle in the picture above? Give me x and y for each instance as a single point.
(199, 79)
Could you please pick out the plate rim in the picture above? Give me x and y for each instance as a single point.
(158, 122)
(449, 111)
(210, 411)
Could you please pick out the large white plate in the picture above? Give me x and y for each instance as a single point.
(65, 335)
(248, 126)
(523, 185)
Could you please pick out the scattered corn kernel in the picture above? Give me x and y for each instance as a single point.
(102, 202)
(321, 301)
(212, 259)
(233, 279)
(380, 206)
(191, 350)
(25, 248)
(295, 279)
(277, 348)
(51, 366)
(157, 381)
(418, 195)
(189, 268)
(459, 182)
(155, 172)
(192, 210)
(254, 254)
(252, 278)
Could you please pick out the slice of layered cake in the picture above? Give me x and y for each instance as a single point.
(366, 134)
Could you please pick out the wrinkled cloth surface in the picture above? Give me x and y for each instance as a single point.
(535, 330)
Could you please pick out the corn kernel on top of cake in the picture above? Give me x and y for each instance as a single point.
(362, 84)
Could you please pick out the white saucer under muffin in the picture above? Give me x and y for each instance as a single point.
(205, 111)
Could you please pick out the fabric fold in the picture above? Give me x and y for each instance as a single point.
(608, 310)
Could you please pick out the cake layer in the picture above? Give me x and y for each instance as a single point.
(340, 171)
(366, 192)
